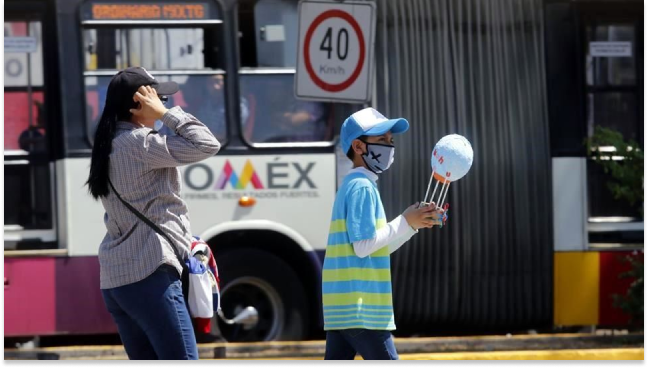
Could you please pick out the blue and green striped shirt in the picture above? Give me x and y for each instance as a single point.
(356, 291)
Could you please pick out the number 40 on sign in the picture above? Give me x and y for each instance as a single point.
(335, 51)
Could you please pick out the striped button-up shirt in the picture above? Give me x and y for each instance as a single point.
(144, 170)
(356, 292)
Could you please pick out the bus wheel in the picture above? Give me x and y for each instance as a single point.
(259, 279)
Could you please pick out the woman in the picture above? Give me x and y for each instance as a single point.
(139, 271)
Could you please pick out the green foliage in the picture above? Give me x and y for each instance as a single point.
(632, 302)
(626, 183)
(626, 176)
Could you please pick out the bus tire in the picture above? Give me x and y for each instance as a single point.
(252, 277)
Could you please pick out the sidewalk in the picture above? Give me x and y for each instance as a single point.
(582, 354)
(549, 346)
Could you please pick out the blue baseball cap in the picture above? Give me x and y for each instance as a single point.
(369, 122)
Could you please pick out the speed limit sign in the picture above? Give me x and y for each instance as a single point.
(335, 52)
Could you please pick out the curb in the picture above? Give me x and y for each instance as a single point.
(305, 349)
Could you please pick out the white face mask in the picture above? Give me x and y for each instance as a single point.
(158, 125)
(379, 157)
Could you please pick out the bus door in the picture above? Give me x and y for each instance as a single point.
(611, 35)
(28, 126)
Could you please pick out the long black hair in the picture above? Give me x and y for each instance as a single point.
(118, 103)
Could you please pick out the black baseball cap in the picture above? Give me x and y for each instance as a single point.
(130, 79)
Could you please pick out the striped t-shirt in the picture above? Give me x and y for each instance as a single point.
(356, 292)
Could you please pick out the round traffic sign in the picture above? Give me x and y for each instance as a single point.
(334, 87)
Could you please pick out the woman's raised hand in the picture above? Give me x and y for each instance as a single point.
(151, 107)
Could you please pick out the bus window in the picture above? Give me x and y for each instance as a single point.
(28, 222)
(200, 95)
(153, 49)
(613, 101)
(612, 81)
(268, 29)
(610, 71)
(24, 126)
(277, 117)
(614, 110)
(268, 48)
(188, 56)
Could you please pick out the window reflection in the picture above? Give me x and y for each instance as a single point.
(268, 32)
(16, 72)
(277, 116)
(613, 110)
(178, 48)
(24, 111)
(608, 71)
(601, 201)
(203, 96)
(19, 132)
(27, 195)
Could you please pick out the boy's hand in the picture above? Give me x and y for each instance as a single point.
(424, 217)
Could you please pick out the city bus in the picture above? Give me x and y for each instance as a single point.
(263, 202)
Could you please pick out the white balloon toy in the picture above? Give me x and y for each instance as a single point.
(451, 160)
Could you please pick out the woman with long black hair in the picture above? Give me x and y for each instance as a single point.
(139, 268)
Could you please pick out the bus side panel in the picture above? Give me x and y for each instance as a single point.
(295, 190)
(80, 308)
(81, 224)
(29, 296)
(59, 296)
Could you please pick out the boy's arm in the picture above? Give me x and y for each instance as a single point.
(361, 224)
(396, 233)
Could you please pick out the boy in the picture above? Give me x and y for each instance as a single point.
(356, 279)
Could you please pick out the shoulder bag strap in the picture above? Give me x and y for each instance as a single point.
(150, 224)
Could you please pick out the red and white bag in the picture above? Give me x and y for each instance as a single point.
(204, 286)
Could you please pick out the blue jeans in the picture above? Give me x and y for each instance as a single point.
(370, 344)
(152, 317)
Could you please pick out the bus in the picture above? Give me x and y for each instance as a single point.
(524, 232)
(262, 203)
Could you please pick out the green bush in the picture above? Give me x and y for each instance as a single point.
(632, 302)
(626, 176)
(626, 183)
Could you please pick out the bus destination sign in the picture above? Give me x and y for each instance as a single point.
(148, 11)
